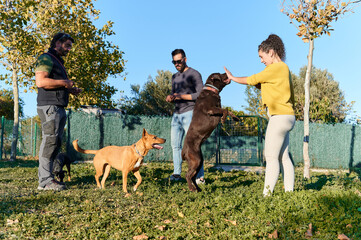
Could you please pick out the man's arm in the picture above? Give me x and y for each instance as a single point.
(42, 80)
(198, 84)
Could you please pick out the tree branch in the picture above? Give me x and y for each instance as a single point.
(6, 64)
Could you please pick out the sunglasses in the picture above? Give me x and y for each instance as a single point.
(65, 36)
(178, 61)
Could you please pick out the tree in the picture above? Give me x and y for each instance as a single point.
(327, 101)
(26, 29)
(7, 104)
(312, 18)
(150, 100)
(254, 100)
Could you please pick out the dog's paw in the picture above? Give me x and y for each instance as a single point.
(235, 118)
(223, 119)
(127, 195)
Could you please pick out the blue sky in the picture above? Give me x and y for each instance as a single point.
(220, 33)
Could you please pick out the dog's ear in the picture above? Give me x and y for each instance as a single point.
(144, 132)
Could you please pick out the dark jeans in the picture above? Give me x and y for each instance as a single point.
(53, 119)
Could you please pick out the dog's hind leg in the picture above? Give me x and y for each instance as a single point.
(68, 168)
(99, 168)
(106, 174)
(139, 178)
(193, 169)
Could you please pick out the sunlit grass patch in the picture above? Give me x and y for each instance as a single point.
(231, 206)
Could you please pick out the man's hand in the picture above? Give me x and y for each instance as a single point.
(75, 91)
(170, 98)
(68, 84)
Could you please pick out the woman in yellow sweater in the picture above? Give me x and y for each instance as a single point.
(277, 96)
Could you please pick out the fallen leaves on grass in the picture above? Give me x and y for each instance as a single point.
(207, 224)
(142, 236)
(273, 235)
(11, 222)
(342, 237)
(162, 227)
(308, 233)
(358, 192)
(232, 222)
(180, 214)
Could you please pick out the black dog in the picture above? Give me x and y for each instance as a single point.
(60, 160)
(206, 115)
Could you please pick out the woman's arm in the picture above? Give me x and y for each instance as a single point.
(241, 80)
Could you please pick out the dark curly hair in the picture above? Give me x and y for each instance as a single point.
(62, 37)
(275, 43)
(177, 51)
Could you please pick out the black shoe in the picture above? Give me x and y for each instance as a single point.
(53, 185)
(175, 177)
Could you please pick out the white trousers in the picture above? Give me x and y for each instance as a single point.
(276, 152)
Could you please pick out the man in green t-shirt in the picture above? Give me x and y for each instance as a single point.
(54, 87)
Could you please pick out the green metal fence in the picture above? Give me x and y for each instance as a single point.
(28, 139)
(96, 131)
(241, 142)
(335, 146)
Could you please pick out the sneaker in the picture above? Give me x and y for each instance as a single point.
(200, 181)
(53, 185)
(175, 177)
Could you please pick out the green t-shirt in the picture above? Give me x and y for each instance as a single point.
(44, 64)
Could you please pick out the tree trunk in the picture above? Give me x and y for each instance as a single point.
(16, 114)
(306, 126)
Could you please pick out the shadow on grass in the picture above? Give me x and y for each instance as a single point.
(344, 214)
(19, 163)
(327, 180)
(31, 202)
(319, 183)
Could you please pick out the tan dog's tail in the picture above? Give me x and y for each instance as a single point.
(79, 149)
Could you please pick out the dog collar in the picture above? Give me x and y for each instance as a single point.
(211, 87)
(138, 151)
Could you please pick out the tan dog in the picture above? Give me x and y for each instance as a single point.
(123, 158)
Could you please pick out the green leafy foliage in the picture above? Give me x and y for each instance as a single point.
(7, 104)
(327, 100)
(151, 99)
(26, 30)
(230, 206)
(254, 100)
(313, 18)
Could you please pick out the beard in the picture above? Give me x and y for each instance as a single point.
(181, 67)
(62, 52)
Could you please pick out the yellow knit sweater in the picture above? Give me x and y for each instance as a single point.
(276, 88)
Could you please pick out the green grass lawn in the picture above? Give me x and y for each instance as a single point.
(230, 206)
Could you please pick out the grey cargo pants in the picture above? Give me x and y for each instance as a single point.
(53, 119)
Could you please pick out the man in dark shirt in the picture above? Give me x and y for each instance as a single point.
(54, 87)
(186, 87)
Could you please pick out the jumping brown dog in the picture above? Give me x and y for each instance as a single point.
(123, 158)
(206, 115)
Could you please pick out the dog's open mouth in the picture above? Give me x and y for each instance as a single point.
(156, 146)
